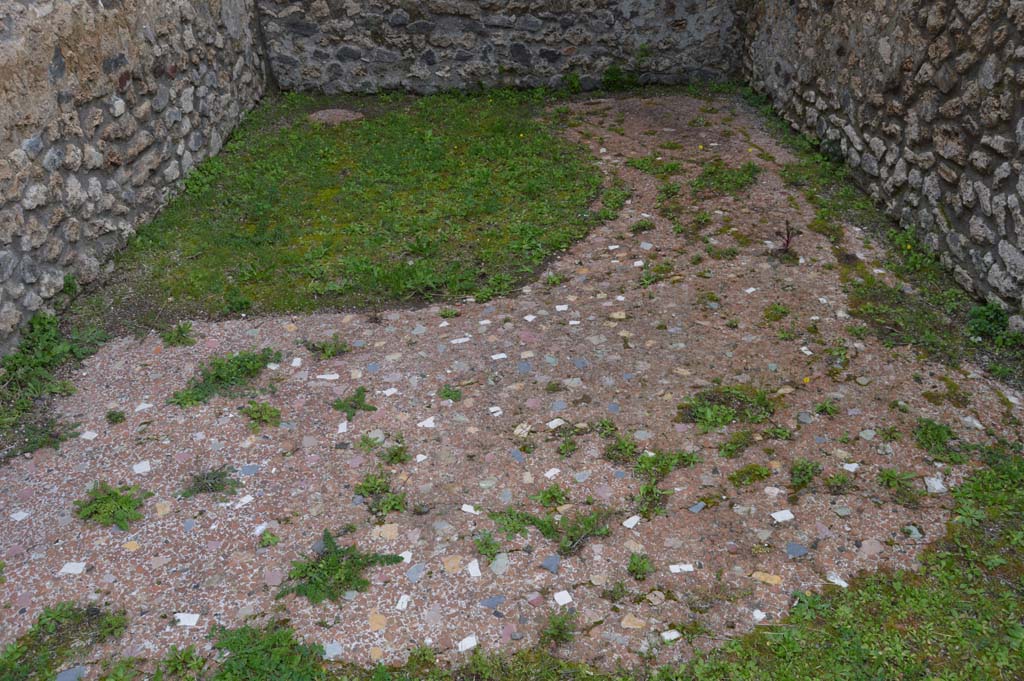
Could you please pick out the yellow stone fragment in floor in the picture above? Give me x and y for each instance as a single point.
(377, 621)
(631, 621)
(774, 580)
(131, 546)
(452, 564)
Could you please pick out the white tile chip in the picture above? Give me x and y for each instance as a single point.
(834, 578)
(680, 567)
(467, 644)
(403, 602)
(783, 516)
(186, 619)
(72, 569)
(244, 501)
(670, 635)
(474, 568)
(427, 423)
(500, 355)
(18, 516)
(328, 377)
(470, 509)
(141, 468)
(460, 341)
(563, 598)
(143, 406)
(89, 435)
(552, 472)
(631, 522)
(556, 424)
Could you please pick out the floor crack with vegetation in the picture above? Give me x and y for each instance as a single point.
(516, 386)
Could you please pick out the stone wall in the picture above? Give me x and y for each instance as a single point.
(429, 45)
(923, 98)
(104, 106)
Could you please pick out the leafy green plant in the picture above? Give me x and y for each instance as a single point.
(108, 506)
(802, 473)
(719, 406)
(397, 453)
(839, 483)
(261, 414)
(642, 226)
(901, 484)
(27, 374)
(623, 449)
(181, 664)
(448, 392)
(737, 443)
(936, 439)
(225, 376)
(268, 539)
(653, 165)
(655, 466)
(354, 403)
(179, 335)
(718, 178)
(61, 634)
(640, 567)
(376, 489)
(218, 480)
(333, 571)
(329, 348)
(115, 416)
(778, 433)
(776, 312)
(826, 408)
(268, 654)
(559, 629)
(568, 446)
(749, 474)
(551, 496)
(486, 545)
(650, 500)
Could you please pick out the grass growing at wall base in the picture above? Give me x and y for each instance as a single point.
(439, 197)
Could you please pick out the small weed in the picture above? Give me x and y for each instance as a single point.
(567, 447)
(553, 280)
(776, 312)
(552, 496)
(219, 480)
(448, 392)
(397, 453)
(224, 376)
(935, 438)
(327, 349)
(642, 226)
(720, 253)
(332, 572)
(181, 665)
(901, 484)
(655, 466)
(717, 178)
(650, 500)
(737, 443)
(354, 403)
(802, 473)
(179, 335)
(839, 483)
(718, 407)
(448, 313)
(621, 450)
(268, 539)
(62, 634)
(375, 488)
(652, 165)
(269, 654)
(606, 428)
(486, 545)
(640, 567)
(115, 416)
(826, 408)
(261, 414)
(108, 506)
(560, 629)
(777, 433)
(749, 474)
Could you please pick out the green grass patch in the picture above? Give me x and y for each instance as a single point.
(716, 178)
(261, 414)
(28, 375)
(327, 349)
(432, 198)
(354, 403)
(108, 505)
(333, 571)
(61, 635)
(749, 474)
(653, 165)
(718, 407)
(218, 480)
(225, 376)
(640, 566)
